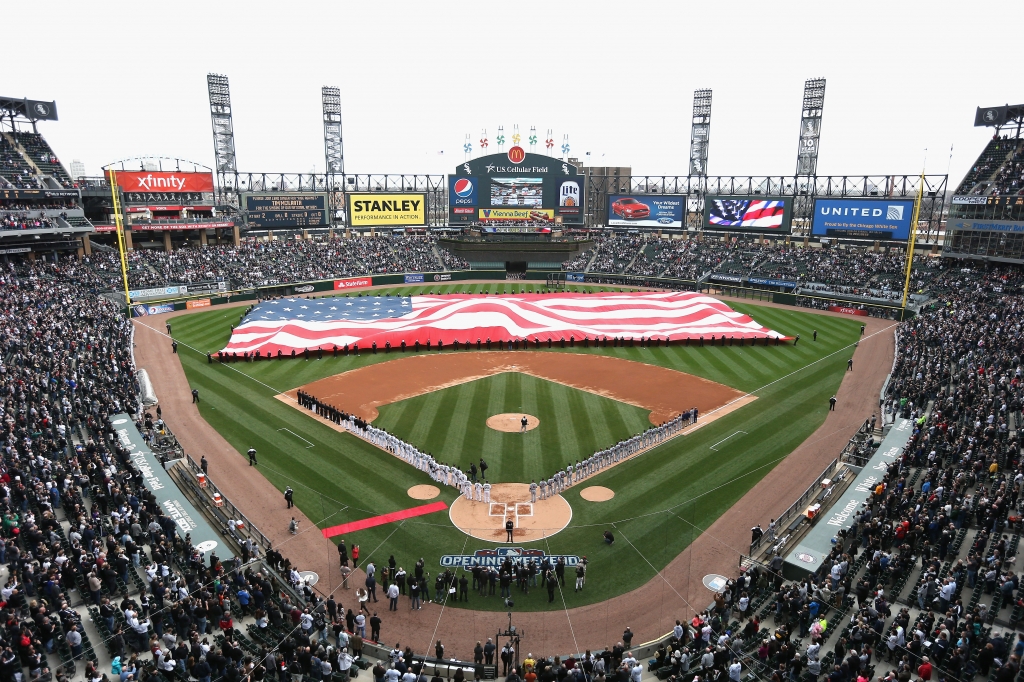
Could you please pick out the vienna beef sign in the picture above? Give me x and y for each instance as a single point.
(386, 210)
(153, 181)
(497, 557)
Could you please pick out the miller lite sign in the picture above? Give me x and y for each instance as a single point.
(569, 194)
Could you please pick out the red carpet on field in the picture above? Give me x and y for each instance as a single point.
(400, 515)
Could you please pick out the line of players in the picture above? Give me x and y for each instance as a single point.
(451, 475)
(603, 459)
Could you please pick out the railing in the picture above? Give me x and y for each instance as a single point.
(794, 508)
(232, 511)
(858, 450)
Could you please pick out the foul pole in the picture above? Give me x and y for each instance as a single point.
(112, 178)
(910, 243)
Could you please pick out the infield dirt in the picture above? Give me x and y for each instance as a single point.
(665, 392)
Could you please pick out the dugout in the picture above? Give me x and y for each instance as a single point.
(809, 555)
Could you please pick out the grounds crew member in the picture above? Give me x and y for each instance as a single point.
(288, 494)
(252, 457)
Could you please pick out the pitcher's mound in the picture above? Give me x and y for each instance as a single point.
(424, 492)
(511, 422)
(597, 493)
(511, 501)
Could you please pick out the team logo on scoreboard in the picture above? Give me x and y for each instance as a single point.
(516, 154)
(569, 194)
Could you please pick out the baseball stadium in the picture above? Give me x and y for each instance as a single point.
(528, 419)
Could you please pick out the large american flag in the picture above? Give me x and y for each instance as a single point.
(746, 213)
(298, 324)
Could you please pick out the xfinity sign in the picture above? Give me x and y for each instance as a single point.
(876, 219)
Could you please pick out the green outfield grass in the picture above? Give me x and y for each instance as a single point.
(662, 499)
(451, 424)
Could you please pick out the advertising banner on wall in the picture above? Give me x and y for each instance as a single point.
(881, 219)
(845, 310)
(158, 181)
(384, 210)
(532, 214)
(414, 278)
(772, 282)
(352, 283)
(986, 225)
(748, 214)
(197, 303)
(516, 186)
(142, 309)
(646, 210)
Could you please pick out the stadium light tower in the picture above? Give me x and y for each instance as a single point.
(810, 127)
(334, 149)
(700, 132)
(223, 132)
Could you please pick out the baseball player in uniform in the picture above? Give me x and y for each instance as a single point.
(487, 492)
(533, 491)
(479, 491)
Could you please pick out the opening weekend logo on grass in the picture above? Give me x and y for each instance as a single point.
(496, 557)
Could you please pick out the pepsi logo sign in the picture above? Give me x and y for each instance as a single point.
(463, 187)
(516, 154)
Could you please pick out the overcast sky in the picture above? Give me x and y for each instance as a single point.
(129, 79)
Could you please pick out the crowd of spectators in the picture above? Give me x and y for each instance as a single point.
(1010, 179)
(990, 159)
(85, 541)
(256, 262)
(24, 220)
(615, 253)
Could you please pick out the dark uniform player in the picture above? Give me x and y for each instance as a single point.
(288, 494)
(252, 457)
(509, 526)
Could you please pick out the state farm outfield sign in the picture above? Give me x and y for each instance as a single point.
(352, 283)
(496, 557)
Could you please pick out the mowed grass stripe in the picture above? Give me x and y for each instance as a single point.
(453, 438)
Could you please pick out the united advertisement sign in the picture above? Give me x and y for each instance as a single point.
(882, 219)
(516, 186)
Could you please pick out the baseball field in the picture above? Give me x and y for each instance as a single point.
(662, 499)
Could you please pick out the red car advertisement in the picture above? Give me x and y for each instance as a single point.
(628, 207)
(352, 282)
(646, 210)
